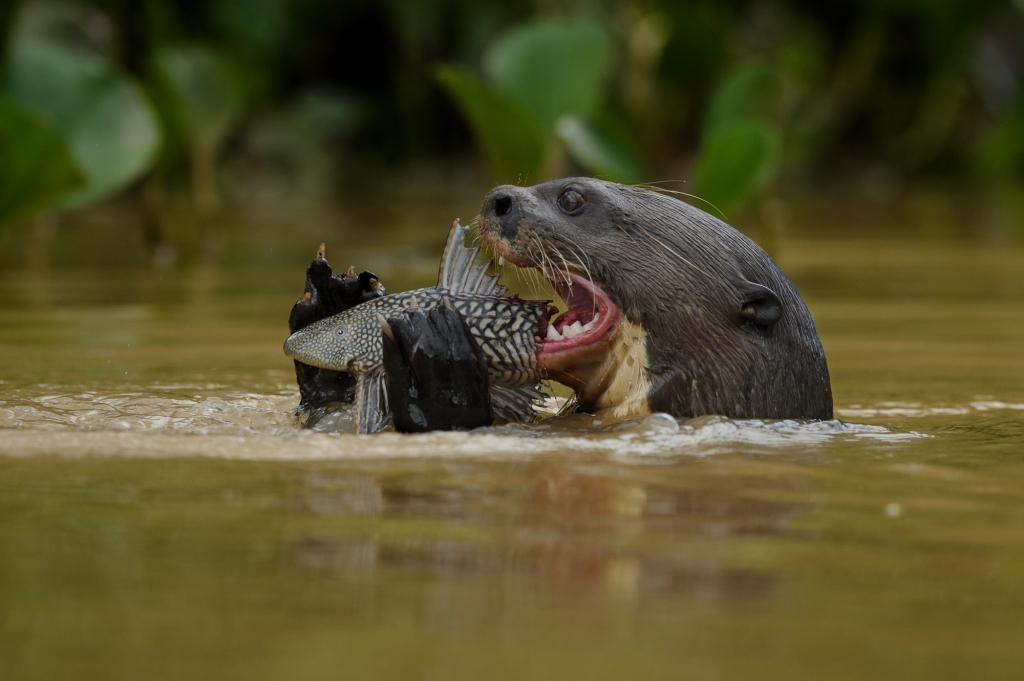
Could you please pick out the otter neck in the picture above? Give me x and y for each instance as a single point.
(614, 383)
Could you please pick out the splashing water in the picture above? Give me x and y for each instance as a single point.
(163, 421)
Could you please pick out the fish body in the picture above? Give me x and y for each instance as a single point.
(506, 330)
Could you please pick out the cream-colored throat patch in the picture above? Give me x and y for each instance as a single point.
(623, 386)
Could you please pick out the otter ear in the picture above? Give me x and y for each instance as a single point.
(760, 304)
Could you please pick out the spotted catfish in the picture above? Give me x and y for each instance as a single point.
(505, 328)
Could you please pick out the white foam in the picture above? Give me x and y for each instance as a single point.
(238, 425)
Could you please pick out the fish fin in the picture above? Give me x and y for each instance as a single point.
(459, 272)
(517, 405)
(372, 413)
(463, 268)
(478, 276)
(453, 247)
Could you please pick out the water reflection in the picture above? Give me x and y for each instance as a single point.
(590, 526)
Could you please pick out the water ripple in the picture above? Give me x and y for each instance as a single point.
(171, 421)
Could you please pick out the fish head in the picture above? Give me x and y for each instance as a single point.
(338, 343)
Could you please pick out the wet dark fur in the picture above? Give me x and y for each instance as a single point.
(704, 356)
(327, 295)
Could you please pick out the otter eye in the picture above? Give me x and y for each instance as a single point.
(571, 201)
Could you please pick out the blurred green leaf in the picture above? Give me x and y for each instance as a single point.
(110, 126)
(735, 161)
(36, 164)
(552, 68)
(750, 91)
(1001, 151)
(206, 91)
(600, 152)
(512, 139)
(329, 113)
(259, 28)
(697, 44)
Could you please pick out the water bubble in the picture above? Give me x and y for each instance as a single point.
(662, 422)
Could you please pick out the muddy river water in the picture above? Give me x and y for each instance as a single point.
(162, 517)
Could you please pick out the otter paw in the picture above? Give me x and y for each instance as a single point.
(327, 295)
(435, 373)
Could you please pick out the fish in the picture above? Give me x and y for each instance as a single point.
(506, 329)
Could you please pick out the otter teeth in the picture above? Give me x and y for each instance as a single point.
(571, 331)
(501, 260)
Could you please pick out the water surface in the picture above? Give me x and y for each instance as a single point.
(162, 517)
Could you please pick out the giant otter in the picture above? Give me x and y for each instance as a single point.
(693, 318)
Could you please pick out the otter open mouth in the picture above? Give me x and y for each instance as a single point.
(577, 336)
(590, 316)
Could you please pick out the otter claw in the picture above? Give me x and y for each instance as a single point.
(321, 252)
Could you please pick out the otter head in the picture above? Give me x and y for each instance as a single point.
(669, 309)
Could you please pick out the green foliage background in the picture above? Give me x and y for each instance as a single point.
(733, 96)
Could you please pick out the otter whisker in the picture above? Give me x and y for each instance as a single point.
(538, 256)
(579, 259)
(565, 274)
(577, 254)
(538, 280)
(585, 266)
(533, 273)
(590, 276)
(662, 190)
(529, 275)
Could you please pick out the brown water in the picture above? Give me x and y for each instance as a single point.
(162, 517)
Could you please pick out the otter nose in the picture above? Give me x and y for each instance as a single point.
(501, 209)
(501, 205)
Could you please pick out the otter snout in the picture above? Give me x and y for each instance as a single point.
(501, 211)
